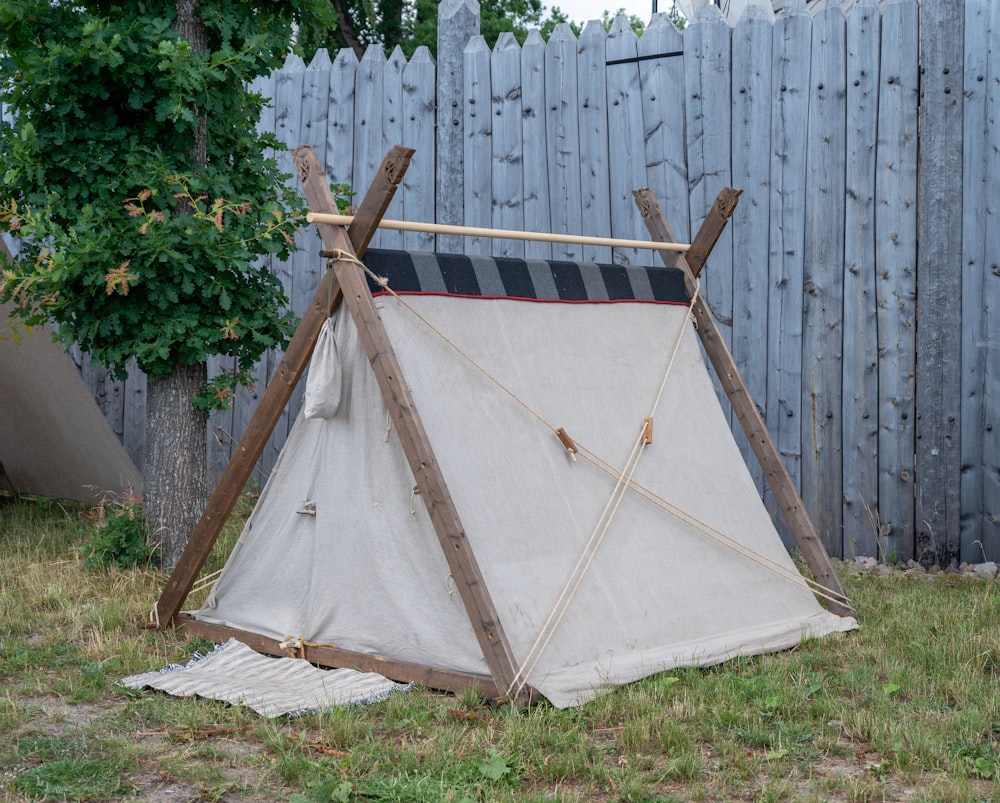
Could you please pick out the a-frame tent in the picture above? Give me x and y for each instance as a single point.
(525, 483)
(54, 441)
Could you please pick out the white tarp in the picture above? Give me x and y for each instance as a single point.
(367, 573)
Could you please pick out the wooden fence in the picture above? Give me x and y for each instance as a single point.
(862, 327)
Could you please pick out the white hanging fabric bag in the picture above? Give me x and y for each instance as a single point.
(325, 382)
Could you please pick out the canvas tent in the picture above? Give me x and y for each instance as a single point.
(521, 481)
(682, 567)
(54, 442)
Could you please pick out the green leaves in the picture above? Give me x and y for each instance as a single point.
(982, 759)
(493, 767)
(119, 536)
(329, 790)
(127, 245)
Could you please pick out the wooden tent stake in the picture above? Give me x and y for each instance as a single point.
(501, 234)
(276, 396)
(793, 510)
(444, 516)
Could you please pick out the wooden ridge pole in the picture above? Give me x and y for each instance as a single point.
(430, 481)
(276, 395)
(792, 508)
(500, 234)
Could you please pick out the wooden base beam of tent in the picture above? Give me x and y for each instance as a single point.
(276, 395)
(501, 234)
(331, 656)
(792, 508)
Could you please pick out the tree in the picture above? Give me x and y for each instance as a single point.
(676, 17)
(356, 24)
(145, 199)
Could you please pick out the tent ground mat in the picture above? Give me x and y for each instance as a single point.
(236, 674)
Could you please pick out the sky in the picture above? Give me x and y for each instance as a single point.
(583, 10)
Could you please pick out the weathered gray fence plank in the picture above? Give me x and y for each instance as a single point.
(417, 191)
(627, 168)
(823, 281)
(595, 92)
(458, 22)
(478, 145)
(661, 74)
(392, 134)
(316, 102)
(308, 267)
(751, 141)
(134, 423)
(895, 223)
(369, 137)
(989, 541)
(562, 134)
(507, 163)
(938, 379)
(975, 269)
(114, 403)
(790, 63)
(860, 398)
(340, 131)
(536, 157)
(708, 81)
(708, 106)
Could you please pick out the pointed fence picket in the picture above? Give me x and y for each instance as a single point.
(860, 397)
(823, 281)
(751, 115)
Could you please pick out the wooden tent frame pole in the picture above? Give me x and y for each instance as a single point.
(275, 396)
(500, 234)
(406, 420)
(793, 510)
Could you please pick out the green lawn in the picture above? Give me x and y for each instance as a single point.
(907, 708)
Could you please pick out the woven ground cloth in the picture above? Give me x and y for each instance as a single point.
(270, 686)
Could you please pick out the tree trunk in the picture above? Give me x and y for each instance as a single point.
(176, 474)
(391, 23)
(346, 32)
(176, 477)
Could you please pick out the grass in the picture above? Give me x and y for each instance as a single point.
(907, 708)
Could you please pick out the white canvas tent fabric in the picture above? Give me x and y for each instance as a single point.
(581, 347)
(54, 442)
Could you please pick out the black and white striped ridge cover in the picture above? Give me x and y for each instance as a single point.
(410, 272)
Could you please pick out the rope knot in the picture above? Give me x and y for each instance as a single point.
(340, 255)
(295, 646)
